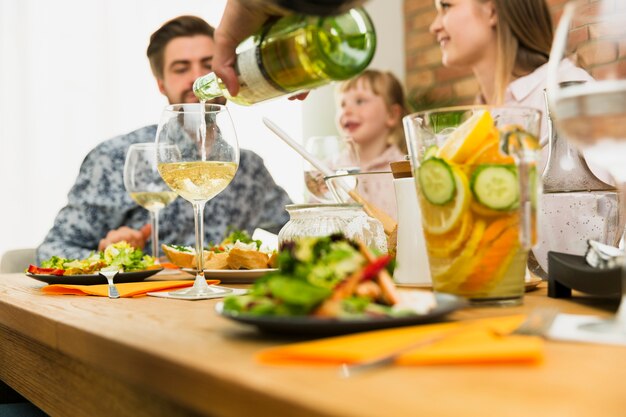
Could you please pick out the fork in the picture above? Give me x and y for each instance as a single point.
(537, 323)
(109, 275)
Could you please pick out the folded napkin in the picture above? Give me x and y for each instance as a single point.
(128, 289)
(484, 341)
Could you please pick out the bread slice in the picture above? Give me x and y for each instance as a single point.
(182, 258)
(216, 261)
(247, 259)
(273, 262)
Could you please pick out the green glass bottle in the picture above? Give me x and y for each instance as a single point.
(297, 53)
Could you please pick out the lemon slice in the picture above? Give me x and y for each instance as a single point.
(468, 138)
(444, 245)
(440, 219)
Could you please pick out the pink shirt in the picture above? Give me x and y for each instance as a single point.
(528, 90)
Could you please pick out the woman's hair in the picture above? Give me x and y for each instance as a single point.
(181, 26)
(387, 86)
(524, 37)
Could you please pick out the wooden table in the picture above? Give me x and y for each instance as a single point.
(91, 356)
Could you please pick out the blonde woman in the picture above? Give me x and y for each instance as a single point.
(506, 44)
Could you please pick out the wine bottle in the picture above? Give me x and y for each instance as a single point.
(312, 7)
(296, 53)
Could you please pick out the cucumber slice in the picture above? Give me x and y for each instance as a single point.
(436, 181)
(495, 186)
(430, 152)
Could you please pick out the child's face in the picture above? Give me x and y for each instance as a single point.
(364, 116)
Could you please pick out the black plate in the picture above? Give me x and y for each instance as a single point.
(571, 272)
(311, 326)
(94, 279)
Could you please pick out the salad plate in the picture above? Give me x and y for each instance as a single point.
(233, 276)
(94, 279)
(321, 327)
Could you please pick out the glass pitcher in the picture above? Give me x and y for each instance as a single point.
(576, 205)
(477, 185)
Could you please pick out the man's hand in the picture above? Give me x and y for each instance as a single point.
(136, 238)
(238, 22)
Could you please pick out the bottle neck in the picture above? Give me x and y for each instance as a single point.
(207, 87)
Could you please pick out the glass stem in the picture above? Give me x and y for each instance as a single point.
(154, 222)
(198, 210)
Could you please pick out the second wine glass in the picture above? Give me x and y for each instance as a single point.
(145, 185)
(593, 115)
(337, 153)
(198, 156)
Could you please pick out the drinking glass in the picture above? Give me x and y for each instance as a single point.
(145, 185)
(337, 153)
(198, 156)
(592, 34)
(476, 180)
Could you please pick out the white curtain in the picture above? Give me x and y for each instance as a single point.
(74, 73)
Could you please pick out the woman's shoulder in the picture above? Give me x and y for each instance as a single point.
(568, 71)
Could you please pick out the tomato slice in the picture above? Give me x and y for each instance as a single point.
(45, 271)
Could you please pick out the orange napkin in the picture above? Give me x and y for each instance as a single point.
(128, 289)
(484, 341)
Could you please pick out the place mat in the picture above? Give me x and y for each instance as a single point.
(484, 341)
(130, 289)
(566, 327)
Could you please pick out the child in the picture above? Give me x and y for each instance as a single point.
(370, 111)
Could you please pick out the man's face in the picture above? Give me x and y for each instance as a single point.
(185, 59)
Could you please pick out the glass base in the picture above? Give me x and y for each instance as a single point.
(212, 291)
(605, 327)
(496, 302)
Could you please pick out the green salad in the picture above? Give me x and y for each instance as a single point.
(327, 277)
(120, 255)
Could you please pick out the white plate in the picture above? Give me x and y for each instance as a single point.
(233, 276)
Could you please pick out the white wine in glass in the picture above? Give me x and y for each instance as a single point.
(592, 34)
(198, 156)
(146, 187)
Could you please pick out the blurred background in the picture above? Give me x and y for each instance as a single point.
(74, 73)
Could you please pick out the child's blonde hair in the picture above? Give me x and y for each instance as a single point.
(387, 86)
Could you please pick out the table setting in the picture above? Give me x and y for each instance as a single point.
(348, 311)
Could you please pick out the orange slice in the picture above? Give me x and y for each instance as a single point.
(448, 274)
(490, 153)
(444, 245)
(468, 138)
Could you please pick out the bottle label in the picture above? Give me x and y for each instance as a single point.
(257, 84)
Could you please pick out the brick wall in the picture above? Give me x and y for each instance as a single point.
(428, 83)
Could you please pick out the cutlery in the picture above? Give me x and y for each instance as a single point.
(389, 224)
(537, 323)
(109, 275)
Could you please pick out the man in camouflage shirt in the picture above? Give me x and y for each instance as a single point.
(99, 210)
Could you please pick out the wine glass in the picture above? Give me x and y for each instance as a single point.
(592, 34)
(198, 156)
(145, 185)
(337, 153)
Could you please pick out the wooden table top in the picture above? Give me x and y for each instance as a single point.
(92, 356)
